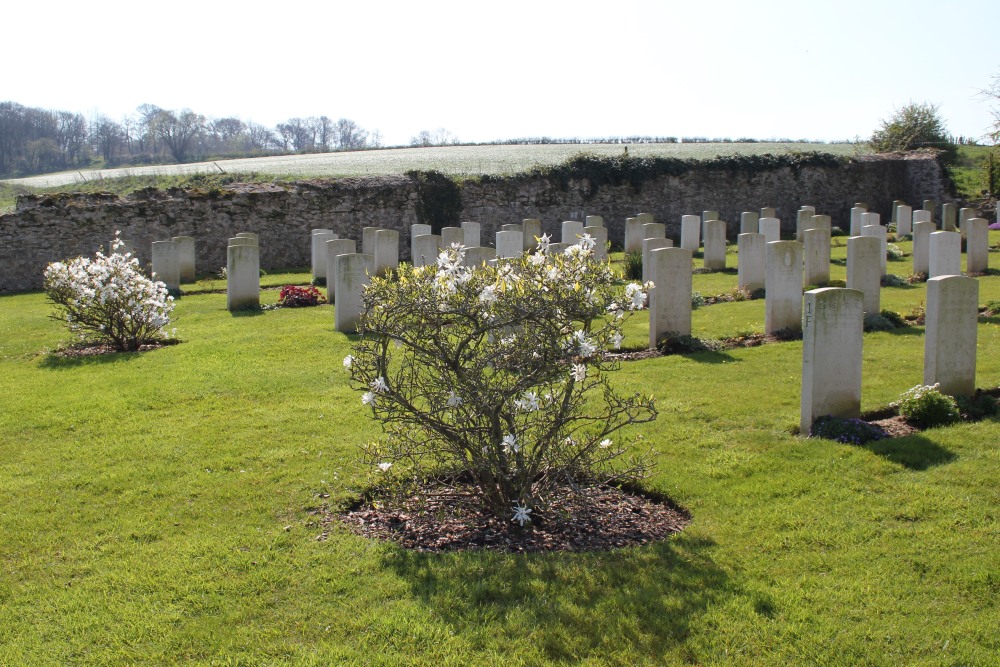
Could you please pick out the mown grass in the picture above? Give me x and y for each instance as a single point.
(156, 508)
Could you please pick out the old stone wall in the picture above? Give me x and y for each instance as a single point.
(53, 227)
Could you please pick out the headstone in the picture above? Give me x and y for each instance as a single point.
(419, 230)
(368, 240)
(709, 215)
(950, 333)
(879, 232)
(600, 234)
(690, 232)
(648, 246)
(594, 221)
(749, 222)
(186, 258)
(896, 203)
(770, 228)
(166, 265)
(856, 214)
(821, 222)
(816, 255)
(353, 274)
(477, 256)
(783, 297)
(472, 232)
(930, 206)
(572, 230)
(977, 245)
(318, 254)
(870, 219)
(127, 247)
(768, 212)
(945, 254)
(966, 214)
(864, 270)
(335, 248)
(654, 230)
(242, 276)
(510, 244)
(922, 246)
(426, 249)
(751, 249)
(250, 235)
(904, 221)
(531, 228)
(949, 217)
(832, 333)
(512, 228)
(633, 235)
(450, 235)
(803, 221)
(386, 251)
(670, 298)
(644, 218)
(244, 240)
(922, 215)
(715, 245)
(557, 248)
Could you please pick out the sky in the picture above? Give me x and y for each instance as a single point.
(798, 69)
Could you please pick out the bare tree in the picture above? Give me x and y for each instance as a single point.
(178, 131)
(350, 135)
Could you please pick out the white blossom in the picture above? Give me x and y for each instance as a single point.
(543, 243)
(522, 514)
(454, 400)
(348, 360)
(368, 398)
(579, 372)
(379, 386)
(384, 466)
(616, 339)
(605, 443)
(510, 443)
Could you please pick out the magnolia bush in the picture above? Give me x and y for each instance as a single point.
(499, 375)
(108, 300)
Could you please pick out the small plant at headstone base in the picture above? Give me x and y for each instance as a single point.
(976, 407)
(847, 431)
(995, 226)
(892, 280)
(675, 343)
(916, 315)
(894, 252)
(108, 300)
(499, 375)
(924, 406)
(991, 309)
(877, 322)
(697, 300)
(915, 278)
(895, 318)
(890, 228)
(292, 296)
(837, 231)
(632, 266)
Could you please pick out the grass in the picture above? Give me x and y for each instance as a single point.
(156, 508)
(967, 173)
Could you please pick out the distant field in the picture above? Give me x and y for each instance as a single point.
(456, 160)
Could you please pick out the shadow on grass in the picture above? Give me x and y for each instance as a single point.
(916, 452)
(57, 362)
(586, 602)
(711, 357)
(247, 312)
(906, 331)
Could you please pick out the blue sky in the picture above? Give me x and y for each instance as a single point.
(764, 69)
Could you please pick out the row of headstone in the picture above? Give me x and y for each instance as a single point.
(173, 262)
(832, 328)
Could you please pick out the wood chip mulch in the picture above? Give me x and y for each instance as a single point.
(600, 518)
(896, 427)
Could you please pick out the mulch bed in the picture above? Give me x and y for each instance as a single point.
(600, 518)
(95, 349)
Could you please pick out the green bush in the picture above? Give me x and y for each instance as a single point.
(980, 406)
(877, 322)
(894, 317)
(925, 406)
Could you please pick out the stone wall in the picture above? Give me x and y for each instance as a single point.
(47, 228)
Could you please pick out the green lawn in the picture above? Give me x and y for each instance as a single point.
(157, 508)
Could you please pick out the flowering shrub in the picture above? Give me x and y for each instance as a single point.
(925, 406)
(849, 431)
(893, 251)
(108, 300)
(299, 297)
(498, 374)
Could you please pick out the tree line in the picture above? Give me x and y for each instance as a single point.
(34, 140)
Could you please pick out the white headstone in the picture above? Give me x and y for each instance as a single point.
(783, 296)
(709, 215)
(450, 235)
(879, 232)
(633, 235)
(472, 231)
(250, 235)
(368, 240)
(856, 216)
(654, 230)
(715, 245)
(832, 328)
(594, 221)
(419, 230)
(690, 232)
(186, 258)
(244, 240)
(749, 222)
(922, 246)
(803, 221)
(572, 230)
(426, 249)
(904, 220)
(532, 230)
(353, 274)
(768, 212)
(950, 333)
(512, 228)
(670, 298)
(645, 218)
(600, 234)
(648, 246)
(318, 254)
(966, 214)
(868, 219)
(977, 245)
(334, 248)
(949, 217)
(510, 244)
(751, 258)
(386, 251)
(770, 228)
(930, 206)
(166, 265)
(945, 254)
(816, 255)
(896, 203)
(864, 270)
(243, 276)
(477, 256)
(922, 215)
